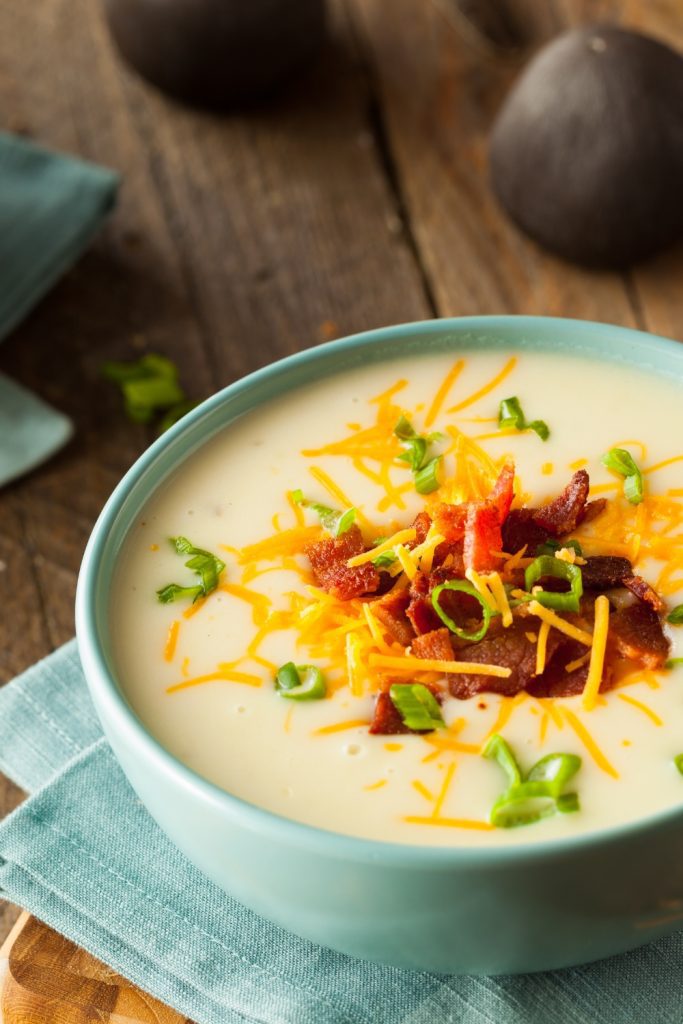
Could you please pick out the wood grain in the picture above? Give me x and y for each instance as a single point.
(44, 977)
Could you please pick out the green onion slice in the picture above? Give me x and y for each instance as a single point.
(427, 477)
(424, 469)
(675, 616)
(546, 565)
(549, 547)
(672, 662)
(205, 565)
(335, 522)
(417, 706)
(510, 415)
(622, 462)
(300, 682)
(498, 749)
(464, 587)
(678, 761)
(149, 385)
(539, 794)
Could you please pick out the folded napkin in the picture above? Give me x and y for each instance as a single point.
(51, 206)
(84, 856)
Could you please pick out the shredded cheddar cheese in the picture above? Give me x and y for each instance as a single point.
(597, 658)
(401, 537)
(541, 647)
(411, 665)
(546, 615)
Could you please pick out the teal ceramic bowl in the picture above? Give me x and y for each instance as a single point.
(488, 911)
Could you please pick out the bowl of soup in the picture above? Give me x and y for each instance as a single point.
(386, 638)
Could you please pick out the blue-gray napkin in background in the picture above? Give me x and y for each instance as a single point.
(83, 855)
(51, 207)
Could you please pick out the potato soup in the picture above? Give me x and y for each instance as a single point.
(386, 605)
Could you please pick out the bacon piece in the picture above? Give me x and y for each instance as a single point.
(636, 633)
(519, 529)
(328, 560)
(449, 521)
(593, 509)
(421, 525)
(510, 648)
(420, 611)
(436, 644)
(504, 490)
(562, 515)
(387, 721)
(482, 537)
(557, 682)
(391, 612)
(644, 592)
(604, 571)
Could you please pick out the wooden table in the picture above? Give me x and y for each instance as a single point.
(358, 197)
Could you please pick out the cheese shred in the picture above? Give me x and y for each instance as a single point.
(594, 678)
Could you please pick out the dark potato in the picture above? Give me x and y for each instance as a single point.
(216, 53)
(587, 151)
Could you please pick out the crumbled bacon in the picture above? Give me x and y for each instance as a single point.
(434, 645)
(520, 530)
(604, 571)
(509, 648)
(562, 515)
(593, 509)
(556, 681)
(328, 560)
(504, 490)
(449, 521)
(420, 611)
(386, 720)
(644, 592)
(391, 612)
(421, 525)
(483, 538)
(636, 633)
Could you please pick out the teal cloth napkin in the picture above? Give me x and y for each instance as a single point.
(51, 206)
(84, 856)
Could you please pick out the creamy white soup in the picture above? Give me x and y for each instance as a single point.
(201, 669)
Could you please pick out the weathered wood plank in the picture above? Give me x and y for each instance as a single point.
(439, 93)
(236, 240)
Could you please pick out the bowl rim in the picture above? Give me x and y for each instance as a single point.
(112, 706)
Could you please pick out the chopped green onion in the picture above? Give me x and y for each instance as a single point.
(417, 706)
(675, 616)
(300, 682)
(207, 566)
(672, 662)
(678, 761)
(498, 749)
(547, 565)
(538, 795)
(622, 462)
(149, 385)
(549, 547)
(427, 477)
(510, 415)
(416, 447)
(464, 587)
(331, 519)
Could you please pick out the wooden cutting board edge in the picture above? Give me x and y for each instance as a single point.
(46, 978)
